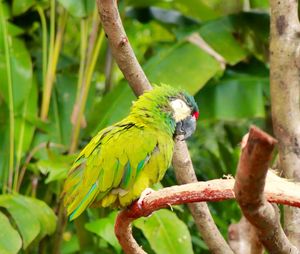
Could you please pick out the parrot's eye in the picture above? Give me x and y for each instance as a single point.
(196, 114)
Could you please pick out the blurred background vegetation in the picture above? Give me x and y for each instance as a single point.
(59, 85)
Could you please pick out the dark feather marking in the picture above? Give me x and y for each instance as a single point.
(82, 164)
(126, 126)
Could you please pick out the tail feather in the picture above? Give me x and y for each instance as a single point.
(78, 207)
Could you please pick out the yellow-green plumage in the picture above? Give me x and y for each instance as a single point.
(125, 158)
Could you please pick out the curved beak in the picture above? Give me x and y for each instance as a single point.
(186, 127)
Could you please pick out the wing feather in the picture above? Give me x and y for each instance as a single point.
(112, 159)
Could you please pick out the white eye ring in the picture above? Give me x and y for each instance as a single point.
(181, 109)
(177, 104)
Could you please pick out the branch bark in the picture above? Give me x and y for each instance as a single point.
(127, 62)
(277, 190)
(121, 48)
(243, 239)
(249, 191)
(185, 173)
(285, 96)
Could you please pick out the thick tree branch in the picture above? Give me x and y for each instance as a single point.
(249, 191)
(277, 190)
(285, 96)
(127, 62)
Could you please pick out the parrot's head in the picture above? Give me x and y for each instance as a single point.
(168, 107)
(185, 114)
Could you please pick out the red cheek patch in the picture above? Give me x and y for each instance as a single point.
(196, 115)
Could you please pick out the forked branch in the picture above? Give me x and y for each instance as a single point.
(249, 190)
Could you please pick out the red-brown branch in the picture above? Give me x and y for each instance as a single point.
(278, 190)
(249, 191)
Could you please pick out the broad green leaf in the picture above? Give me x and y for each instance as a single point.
(252, 31)
(20, 7)
(113, 107)
(208, 9)
(219, 35)
(61, 108)
(42, 212)
(235, 97)
(21, 68)
(147, 3)
(184, 65)
(225, 7)
(166, 233)
(62, 104)
(56, 166)
(14, 30)
(10, 240)
(261, 4)
(144, 36)
(197, 9)
(33, 217)
(78, 8)
(104, 228)
(27, 224)
(6, 10)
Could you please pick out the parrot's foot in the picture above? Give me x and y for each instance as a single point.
(145, 193)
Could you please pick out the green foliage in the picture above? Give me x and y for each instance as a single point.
(36, 152)
(32, 218)
(10, 240)
(104, 228)
(166, 233)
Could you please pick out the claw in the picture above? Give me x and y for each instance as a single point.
(145, 193)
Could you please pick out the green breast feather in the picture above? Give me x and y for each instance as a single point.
(124, 159)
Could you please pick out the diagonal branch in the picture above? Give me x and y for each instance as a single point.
(127, 62)
(121, 48)
(277, 190)
(249, 191)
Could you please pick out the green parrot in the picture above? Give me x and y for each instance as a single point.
(124, 159)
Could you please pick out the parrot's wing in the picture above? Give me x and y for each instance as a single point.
(112, 159)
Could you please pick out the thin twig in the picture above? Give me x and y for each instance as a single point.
(196, 39)
(249, 191)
